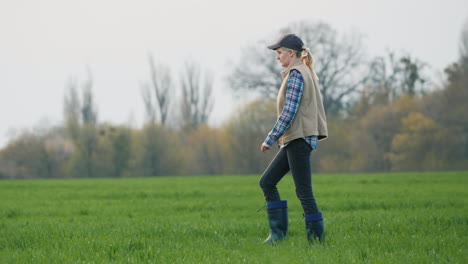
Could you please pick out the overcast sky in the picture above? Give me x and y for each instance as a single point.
(45, 43)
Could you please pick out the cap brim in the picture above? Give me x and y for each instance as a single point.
(274, 46)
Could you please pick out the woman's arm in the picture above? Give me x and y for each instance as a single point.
(294, 90)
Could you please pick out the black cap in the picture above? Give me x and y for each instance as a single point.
(289, 41)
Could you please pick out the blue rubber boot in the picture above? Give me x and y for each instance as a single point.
(314, 227)
(278, 220)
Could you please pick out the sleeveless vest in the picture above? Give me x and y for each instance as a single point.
(310, 118)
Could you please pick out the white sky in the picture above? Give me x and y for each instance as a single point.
(45, 43)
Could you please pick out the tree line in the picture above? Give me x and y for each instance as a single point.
(384, 113)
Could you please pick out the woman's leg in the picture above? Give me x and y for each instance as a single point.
(298, 156)
(278, 167)
(277, 210)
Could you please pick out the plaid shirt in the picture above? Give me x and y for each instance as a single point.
(294, 90)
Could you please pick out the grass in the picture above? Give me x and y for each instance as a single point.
(370, 218)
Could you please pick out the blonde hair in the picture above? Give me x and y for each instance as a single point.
(306, 56)
(307, 59)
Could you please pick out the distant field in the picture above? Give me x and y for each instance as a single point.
(370, 218)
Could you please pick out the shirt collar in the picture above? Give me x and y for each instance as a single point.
(286, 71)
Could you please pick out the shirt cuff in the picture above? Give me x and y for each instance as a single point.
(268, 141)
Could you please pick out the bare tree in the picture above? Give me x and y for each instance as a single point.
(340, 63)
(88, 109)
(463, 45)
(397, 75)
(412, 77)
(78, 111)
(71, 110)
(148, 102)
(197, 101)
(161, 87)
(81, 122)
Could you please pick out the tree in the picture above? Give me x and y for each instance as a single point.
(88, 107)
(246, 130)
(421, 145)
(448, 105)
(81, 120)
(71, 110)
(121, 142)
(340, 63)
(412, 75)
(161, 86)
(158, 151)
(115, 151)
(371, 135)
(392, 76)
(209, 151)
(383, 79)
(197, 101)
(28, 157)
(335, 155)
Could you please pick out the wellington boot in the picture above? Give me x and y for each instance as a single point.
(278, 220)
(314, 227)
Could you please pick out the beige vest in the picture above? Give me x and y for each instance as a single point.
(310, 117)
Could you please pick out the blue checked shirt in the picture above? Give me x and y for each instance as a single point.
(294, 90)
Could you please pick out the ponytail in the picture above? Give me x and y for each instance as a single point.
(307, 59)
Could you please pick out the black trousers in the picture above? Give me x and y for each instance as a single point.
(295, 157)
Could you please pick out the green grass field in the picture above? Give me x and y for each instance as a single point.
(370, 218)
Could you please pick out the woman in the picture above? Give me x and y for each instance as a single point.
(301, 124)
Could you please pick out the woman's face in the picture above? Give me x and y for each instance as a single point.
(284, 56)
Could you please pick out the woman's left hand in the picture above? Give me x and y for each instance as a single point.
(264, 148)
